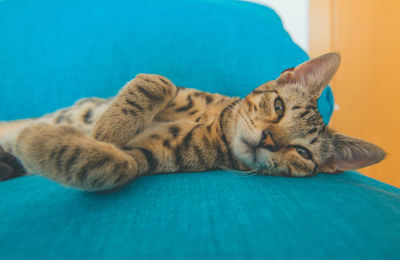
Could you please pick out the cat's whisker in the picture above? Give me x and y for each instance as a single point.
(239, 112)
(241, 172)
(247, 113)
(245, 118)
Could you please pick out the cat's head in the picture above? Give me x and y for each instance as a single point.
(280, 131)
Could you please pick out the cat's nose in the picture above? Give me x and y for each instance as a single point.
(267, 141)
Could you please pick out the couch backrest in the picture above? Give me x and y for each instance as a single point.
(55, 52)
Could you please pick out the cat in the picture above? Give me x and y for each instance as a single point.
(153, 126)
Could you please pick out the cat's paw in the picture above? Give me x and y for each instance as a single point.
(158, 82)
(10, 166)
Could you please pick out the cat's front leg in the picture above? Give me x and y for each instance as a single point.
(68, 156)
(133, 109)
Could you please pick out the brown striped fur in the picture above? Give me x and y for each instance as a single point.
(152, 126)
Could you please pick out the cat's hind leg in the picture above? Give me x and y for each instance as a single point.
(10, 166)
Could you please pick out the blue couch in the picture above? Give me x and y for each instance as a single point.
(55, 52)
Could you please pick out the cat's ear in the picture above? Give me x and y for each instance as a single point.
(348, 153)
(313, 74)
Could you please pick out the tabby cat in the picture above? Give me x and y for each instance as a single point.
(152, 126)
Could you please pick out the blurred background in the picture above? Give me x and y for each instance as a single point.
(367, 86)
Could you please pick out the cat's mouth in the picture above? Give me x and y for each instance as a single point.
(260, 144)
(263, 142)
(255, 158)
(251, 148)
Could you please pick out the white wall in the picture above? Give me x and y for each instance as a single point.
(294, 15)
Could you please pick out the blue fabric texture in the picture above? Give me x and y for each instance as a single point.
(210, 215)
(55, 52)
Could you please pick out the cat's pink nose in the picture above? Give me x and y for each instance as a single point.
(267, 141)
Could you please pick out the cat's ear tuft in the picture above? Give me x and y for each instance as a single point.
(350, 153)
(313, 74)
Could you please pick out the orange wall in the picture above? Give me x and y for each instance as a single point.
(367, 86)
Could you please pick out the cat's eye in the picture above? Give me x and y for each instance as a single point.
(303, 152)
(279, 107)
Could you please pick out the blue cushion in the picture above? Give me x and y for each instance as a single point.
(210, 215)
(53, 53)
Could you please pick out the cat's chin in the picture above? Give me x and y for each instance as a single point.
(246, 148)
(245, 152)
(255, 159)
(250, 155)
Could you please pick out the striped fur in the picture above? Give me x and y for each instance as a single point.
(152, 127)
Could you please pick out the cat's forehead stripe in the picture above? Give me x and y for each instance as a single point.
(313, 130)
(303, 114)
